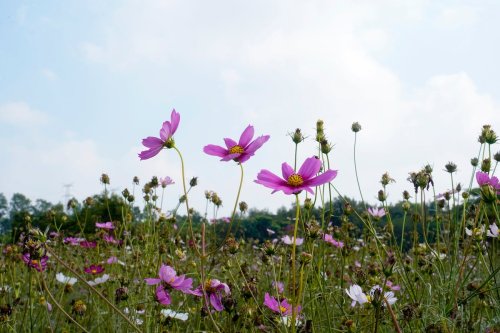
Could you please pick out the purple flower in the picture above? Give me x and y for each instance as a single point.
(94, 269)
(73, 240)
(279, 286)
(87, 244)
(490, 187)
(214, 289)
(239, 151)
(38, 264)
(168, 279)
(165, 140)
(110, 239)
(328, 238)
(281, 307)
(295, 182)
(289, 240)
(105, 225)
(166, 181)
(376, 213)
(392, 286)
(493, 231)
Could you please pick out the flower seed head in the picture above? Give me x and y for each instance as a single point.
(486, 165)
(297, 136)
(450, 167)
(105, 179)
(356, 127)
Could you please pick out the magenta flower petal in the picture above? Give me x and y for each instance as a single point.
(216, 302)
(294, 183)
(230, 143)
(246, 136)
(324, 178)
(147, 154)
(165, 131)
(215, 150)
(152, 281)
(167, 273)
(482, 178)
(241, 151)
(175, 119)
(256, 144)
(286, 170)
(310, 167)
(163, 296)
(152, 142)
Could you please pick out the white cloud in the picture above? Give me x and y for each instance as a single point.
(49, 74)
(458, 16)
(21, 114)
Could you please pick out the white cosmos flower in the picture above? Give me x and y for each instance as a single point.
(356, 294)
(493, 231)
(289, 240)
(65, 279)
(175, 315)
(99, 280)
(475, 231)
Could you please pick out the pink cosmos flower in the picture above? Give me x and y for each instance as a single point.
(281, 307)
(110, 239)
(295, 182)
(94, 269)
(289, 240)
(105, 225)
(87, 244)
(155, 144)
(392, 286)
(38, 264)
(167, 280)
(279, 286)
(214, 289)
(484, 179)
(73, 240)
(328, 238)
(239, 151)
(166, 181)
(376, 213)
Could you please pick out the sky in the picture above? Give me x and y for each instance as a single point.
(82, 82)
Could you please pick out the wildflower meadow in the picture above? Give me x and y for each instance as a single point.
(137, 262)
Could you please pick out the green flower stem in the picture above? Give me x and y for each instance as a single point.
(56, 303)
(356, 171)
(294, 294)
(113, 307)
(186, 200)
(233, 214)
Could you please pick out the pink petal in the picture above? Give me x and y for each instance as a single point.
(216, 302)
(256, 144)
(215, 150)
(163, 296)
(175, 119)
(230, 157)
(146, 154)
(152, 142)
(165, 131)
(310, 167)
(286, 171)
(230, 143)
(246, 136)
(324, 178)
(152, 281)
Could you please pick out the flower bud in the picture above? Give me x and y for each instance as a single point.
(326, 147)
(347, 209)
(386, 179)
(135, 180)
(486, 165)
(308, 204)
(125, 193)
(79, 307)
(381, 196)
(450, 167)
(356, 127)
(406, 195)
(496, 157)
(305, 258)
(297, 136)
(474, 161)
(406, 206)
(320, 131)
(105, 179)
(193, 182)
(428, 169)
(465, 195)
(243, 206)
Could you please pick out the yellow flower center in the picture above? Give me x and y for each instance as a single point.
(282, 309)
(94, 271)
(236, 150)
(295, 180)
(34, 262)
(171, 280)
(369, 298)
